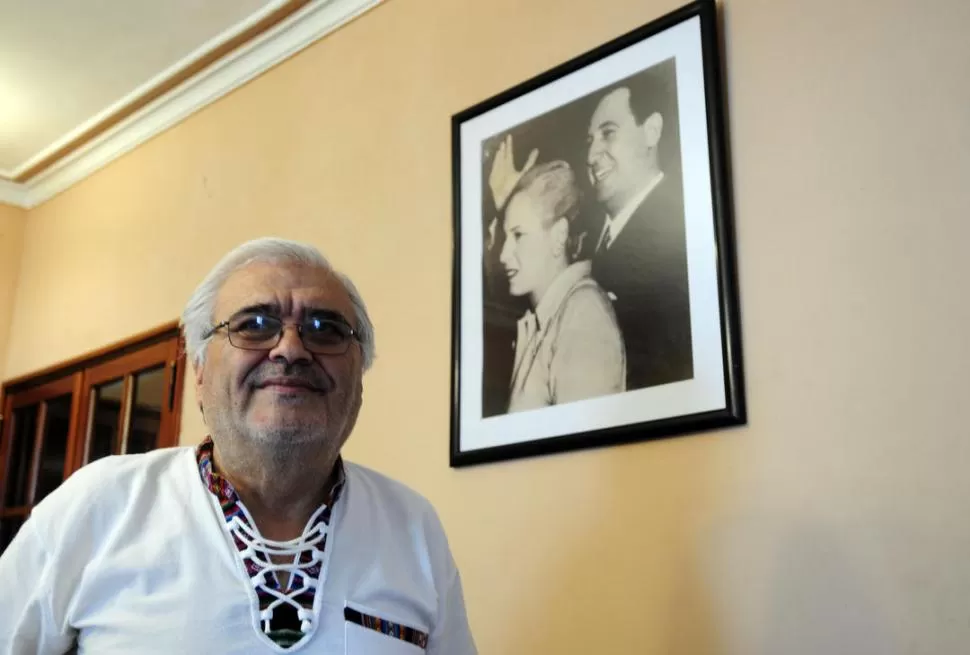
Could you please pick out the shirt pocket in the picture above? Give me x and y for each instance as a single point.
(367, 632)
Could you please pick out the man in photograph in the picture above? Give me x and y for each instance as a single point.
(640, 254)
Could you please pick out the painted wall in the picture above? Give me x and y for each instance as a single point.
(12, 223)
(835, 522)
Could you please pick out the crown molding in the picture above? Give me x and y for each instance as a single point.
(306, 26)
(12, 193)
(168, 79)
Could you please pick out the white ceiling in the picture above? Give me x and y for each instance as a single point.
(67, 64)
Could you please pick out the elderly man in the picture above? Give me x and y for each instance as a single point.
(641, 251)
(262, 539)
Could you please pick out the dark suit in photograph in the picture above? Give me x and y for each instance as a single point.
(644, 270)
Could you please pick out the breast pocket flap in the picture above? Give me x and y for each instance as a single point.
(367, 633)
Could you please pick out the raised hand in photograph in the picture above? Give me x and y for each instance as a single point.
(503, 177)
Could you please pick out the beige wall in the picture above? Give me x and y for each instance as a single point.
(12, 222)
(835, 522)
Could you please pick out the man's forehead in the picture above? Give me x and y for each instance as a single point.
(291, 287)
(613, 106)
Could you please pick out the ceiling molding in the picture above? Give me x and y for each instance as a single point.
(12, 193)
(304, 27)
(169, 79)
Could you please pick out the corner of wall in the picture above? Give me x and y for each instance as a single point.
(13, 224)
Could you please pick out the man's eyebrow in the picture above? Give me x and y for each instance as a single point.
(607, 123)
(274, 309)
(259, 308)
(323, 312)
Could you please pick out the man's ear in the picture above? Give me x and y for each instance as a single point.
(652, 129)
(199, 369)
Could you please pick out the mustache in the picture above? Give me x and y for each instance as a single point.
(302, 376)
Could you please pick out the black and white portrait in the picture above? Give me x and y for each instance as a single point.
(586, 215)
(585, 256)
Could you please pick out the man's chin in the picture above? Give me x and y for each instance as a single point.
(284, 433)
(604, 193)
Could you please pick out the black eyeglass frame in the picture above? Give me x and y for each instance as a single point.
(334, 318)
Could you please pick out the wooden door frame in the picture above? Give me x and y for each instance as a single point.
(165, 354)
(175, 371)
(6, 438)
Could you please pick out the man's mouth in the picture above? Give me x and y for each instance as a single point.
(511, 272)
(289, 385)
(601, 172)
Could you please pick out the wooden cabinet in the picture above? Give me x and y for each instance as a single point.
(122, 399)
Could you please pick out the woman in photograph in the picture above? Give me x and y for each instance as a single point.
(568, 345)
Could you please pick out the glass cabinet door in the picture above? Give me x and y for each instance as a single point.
(104, 420)
(130, 404)
(52, 458)
(35, 446)
(19, 439)
(145, 415)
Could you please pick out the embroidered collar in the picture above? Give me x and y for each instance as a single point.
(287, 617)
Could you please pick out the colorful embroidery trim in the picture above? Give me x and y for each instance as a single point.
(389, 628)
(287, 615)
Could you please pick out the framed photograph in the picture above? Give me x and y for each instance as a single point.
(595, 299)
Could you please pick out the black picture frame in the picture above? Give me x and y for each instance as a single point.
(545, 114)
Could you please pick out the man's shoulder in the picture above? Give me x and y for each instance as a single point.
(662, 208)
(380, 483)
(403, 518)
(117, 467)
(653, 237)
(112, 479)
(372, 486)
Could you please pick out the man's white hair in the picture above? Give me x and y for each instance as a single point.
(199, 314)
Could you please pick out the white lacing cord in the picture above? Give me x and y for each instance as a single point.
(261, 551)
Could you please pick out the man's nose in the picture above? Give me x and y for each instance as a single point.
(291, 346)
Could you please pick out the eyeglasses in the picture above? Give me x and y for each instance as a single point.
(321, 335)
